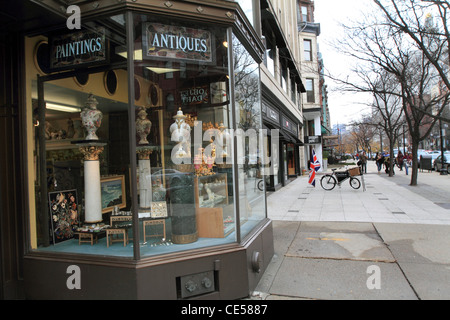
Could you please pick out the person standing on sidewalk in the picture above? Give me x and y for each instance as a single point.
(400, 160)
(363, 162)
(379, 159)
(407, 162)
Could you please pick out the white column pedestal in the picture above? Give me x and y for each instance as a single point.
(145, 184)
(92, 187)
(92, 191)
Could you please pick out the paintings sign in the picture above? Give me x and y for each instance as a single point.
(113, 193)
(78, 49)
(64, 214)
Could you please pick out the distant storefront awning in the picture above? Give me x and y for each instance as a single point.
(284, 136)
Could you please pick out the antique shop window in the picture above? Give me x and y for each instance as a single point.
(248, 123)
(159, 159)
(184, 163)
(81, 167)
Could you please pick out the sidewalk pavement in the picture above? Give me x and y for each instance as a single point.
(391, 241)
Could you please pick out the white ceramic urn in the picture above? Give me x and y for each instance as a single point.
(91, 118)
(143, 126)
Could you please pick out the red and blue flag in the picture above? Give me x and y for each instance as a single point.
(314, 166)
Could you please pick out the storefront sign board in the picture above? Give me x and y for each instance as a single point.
(162, 41)
(77, 49)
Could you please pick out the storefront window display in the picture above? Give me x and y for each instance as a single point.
(148, 171)
(249, 151)
(184, 69)
(81, 140)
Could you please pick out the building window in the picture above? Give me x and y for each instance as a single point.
(304, 16)
(293, 91)
(284, 76)
(270, 55)
(307, 50)
(310, 90)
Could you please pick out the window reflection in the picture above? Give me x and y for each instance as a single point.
(248, 124)
(187, 64)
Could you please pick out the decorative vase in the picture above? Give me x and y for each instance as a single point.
(91, 118)
(143, 126)
(180, 131)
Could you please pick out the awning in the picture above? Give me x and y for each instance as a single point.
(284, 136)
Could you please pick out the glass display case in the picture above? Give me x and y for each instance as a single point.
(214, 210)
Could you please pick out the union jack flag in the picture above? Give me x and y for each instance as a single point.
(314, 166)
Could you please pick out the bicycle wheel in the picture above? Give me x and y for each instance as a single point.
(261, 185)
(328, 182)
(355, 183)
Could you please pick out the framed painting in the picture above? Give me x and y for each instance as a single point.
(64, 214)
(113, 193)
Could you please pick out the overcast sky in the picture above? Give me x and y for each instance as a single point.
(344, 107)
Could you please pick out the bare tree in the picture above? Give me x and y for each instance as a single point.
(426, 24)
(382, 47)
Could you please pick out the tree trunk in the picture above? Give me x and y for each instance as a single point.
(415, 165)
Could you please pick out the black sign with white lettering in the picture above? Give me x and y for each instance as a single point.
(69, 51)
(313, 139)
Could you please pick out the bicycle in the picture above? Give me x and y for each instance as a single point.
(328, 181)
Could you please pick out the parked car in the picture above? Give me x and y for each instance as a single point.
(437, 164)
(434, 154)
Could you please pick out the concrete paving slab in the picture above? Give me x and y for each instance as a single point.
(430, 281)
(339, 279)
(424, 243)
(340, 245)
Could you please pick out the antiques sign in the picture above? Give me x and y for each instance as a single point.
(174, 42)
(79, 48)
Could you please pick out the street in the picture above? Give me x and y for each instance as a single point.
(388, 242)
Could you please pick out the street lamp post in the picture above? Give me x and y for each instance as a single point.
(404, 147)
(443, 172)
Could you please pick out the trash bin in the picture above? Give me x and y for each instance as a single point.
(426, 162)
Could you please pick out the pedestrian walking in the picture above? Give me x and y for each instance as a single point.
(407, 162)
(400, 160)
(363, 162)
(379, 160)
(387, 164)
